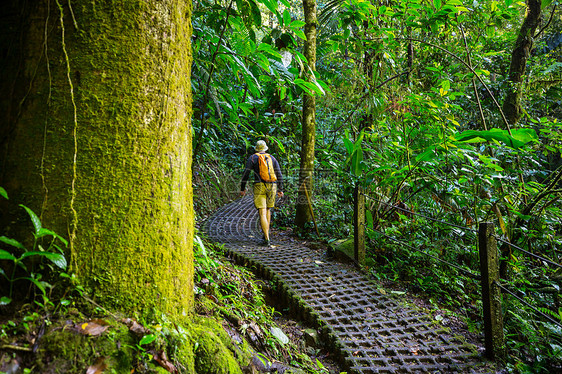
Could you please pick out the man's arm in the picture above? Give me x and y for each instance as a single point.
(246, 175)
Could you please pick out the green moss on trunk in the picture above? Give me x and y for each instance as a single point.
(102, 145)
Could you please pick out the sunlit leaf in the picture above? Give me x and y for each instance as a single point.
(270, 4)
(357, 162)
(518, 138)
(264, 47)
(427, 155)
(279, 144)
(300, 34)
(55, 258)
(286, 18)
(147, 339)
(5, 300)
(296, 24)
(280, 335)
(3, 193)
(12, 242)
(34, 219)
(5, 255)
(256, 13)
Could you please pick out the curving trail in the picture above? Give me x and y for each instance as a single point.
(371, 332)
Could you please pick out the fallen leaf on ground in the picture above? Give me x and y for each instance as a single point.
(98, 367)
(135, 327)
(92, 328)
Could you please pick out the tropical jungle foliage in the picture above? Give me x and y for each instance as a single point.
(409, 105)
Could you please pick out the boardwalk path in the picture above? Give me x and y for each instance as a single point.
(372, 332)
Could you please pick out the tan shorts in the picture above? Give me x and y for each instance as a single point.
(264, 195)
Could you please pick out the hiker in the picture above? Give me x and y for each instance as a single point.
(268, 182)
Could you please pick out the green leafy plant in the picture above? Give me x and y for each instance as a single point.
(24, 259)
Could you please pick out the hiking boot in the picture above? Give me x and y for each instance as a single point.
(265, 243)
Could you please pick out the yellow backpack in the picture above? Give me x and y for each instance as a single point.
(265, 166)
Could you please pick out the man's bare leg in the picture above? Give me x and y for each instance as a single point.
(265, 217)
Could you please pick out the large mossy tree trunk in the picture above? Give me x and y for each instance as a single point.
(96, 138)
(521, 52)
(303, 213)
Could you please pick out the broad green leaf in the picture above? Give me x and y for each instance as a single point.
(518, 139)
(357, 144)
(147, 339)
(3, 193)
(525, 135)
(5, 300)
(256, 13)
(264, 47)
(283, 92)
(5, 255)
(310, 88)
(348, 145)
(437, 4)
(369, 218)
(270, 4)
(44, 232)
(297, 24)
(12, 242)
(279, 144)
(427, 155)
(39, 284)
(55, 258)
(34, 219)
(286, 18)
(300, 34)
(357, 162)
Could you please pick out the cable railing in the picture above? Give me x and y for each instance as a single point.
(541, 258)
(522, 301)
(463, 270)
(489, 274)
(420, 215)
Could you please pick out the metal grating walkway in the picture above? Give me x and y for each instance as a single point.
(372, 332)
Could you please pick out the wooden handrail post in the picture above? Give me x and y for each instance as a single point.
(491, 293)
(359, 224)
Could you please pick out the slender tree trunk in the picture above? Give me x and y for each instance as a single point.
(303, 214)
(96, 138)
(521, 52)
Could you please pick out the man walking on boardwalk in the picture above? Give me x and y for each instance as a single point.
(268, 182)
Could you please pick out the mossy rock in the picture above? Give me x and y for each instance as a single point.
(201, 346)
(215, 352)
(344, 250)
(65, 350)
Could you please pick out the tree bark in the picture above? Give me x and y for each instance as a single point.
(521, 52)
(96, 138)
(303, 214)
